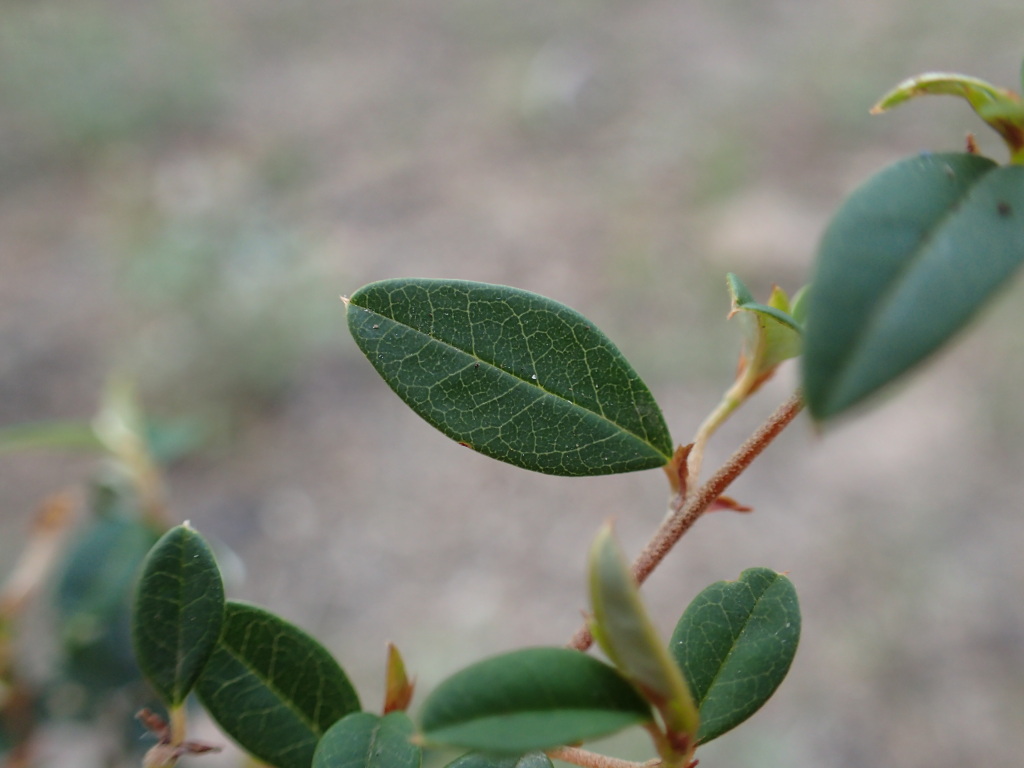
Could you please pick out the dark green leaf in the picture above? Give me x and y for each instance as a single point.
(735, 643)
(536, 698)
(909, 259)
(179, 610)
(93, 600)
(484, 760)
(365, 740)
(513, 375)
(272, 687)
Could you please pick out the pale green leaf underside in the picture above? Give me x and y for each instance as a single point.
(626, 634)
(907, 261)
(774, 334)
(49, 435)
(511, 374)
(179, 610)
(735, 643)
(532, 699)
(273, 688)
(366, 740)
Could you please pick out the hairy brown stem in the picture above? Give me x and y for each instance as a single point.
(593, 760)
(685, 513)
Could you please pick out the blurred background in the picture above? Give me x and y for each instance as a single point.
(187, 187)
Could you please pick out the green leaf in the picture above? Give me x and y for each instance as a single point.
(49, 435)
(273, 688)
(735, 643)
(365, 740)
(774, 335)
(625, 632)
(907, 261)
(179, 610)
(536, 698)
(398, 687)
(510, 374)
(484, 760)
(93, 600)
(999, 107)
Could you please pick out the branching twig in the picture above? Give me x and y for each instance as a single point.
(684, 513)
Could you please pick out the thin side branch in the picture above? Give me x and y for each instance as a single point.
(587, 759)
(684, 513)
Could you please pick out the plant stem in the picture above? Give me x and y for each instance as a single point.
(587, 759)
(685, 511)
(731, 400)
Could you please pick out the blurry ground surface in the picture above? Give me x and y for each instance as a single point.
(187, 187)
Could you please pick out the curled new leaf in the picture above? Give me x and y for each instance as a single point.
(532, 699)
(398, 687)
(273, 688)
(625, 632)
(735, 643)
(774, 331)
(1001, 108)
(179, 610)
(907, 261)
(510, 374)
(365, 740)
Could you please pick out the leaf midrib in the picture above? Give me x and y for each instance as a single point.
(519, 379)
(886, 297)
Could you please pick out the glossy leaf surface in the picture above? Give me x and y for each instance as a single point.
(908, 260)
(273, 688)
(484, 760)
(366, 740)
(179, 610)
(510, 374)
(735, 643)
(625, 632)
(532, 699)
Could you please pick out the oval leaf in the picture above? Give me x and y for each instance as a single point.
(510, 374)
(735, 643)
(365, 740)
(484, 760)
(532, 699)
(94, 595)
(911, 256)
(625, 632)
(179, 610)
(273, 688)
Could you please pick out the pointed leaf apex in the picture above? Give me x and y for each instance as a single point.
(1001, 108)
(399, 687)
